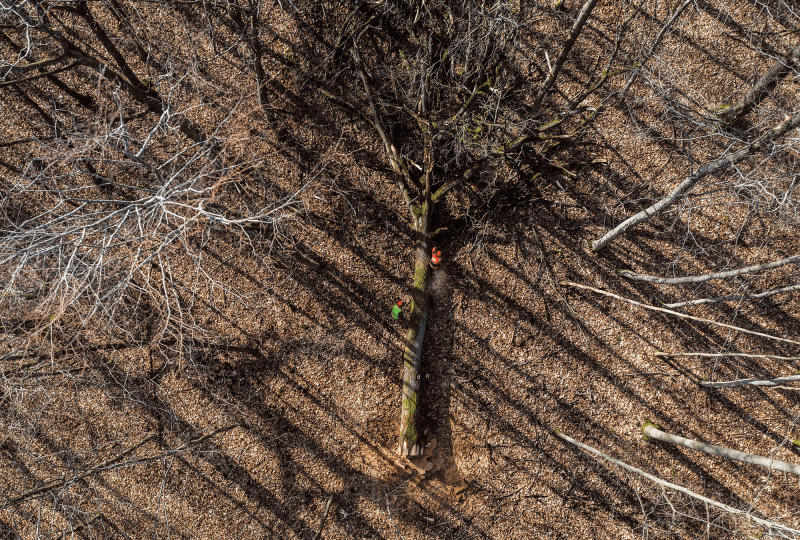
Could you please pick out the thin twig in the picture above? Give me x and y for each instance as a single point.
(323, 518)
(389, 511)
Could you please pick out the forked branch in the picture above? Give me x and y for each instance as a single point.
(692, 180)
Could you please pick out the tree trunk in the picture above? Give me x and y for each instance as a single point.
(707, 168)
(653, 432)
(409, 444)
(709, 277)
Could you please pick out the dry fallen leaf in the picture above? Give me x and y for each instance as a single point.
(421, 464)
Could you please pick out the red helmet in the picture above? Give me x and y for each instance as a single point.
(438, 253)
(399, 302)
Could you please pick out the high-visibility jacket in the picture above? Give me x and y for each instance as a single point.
(435, 259)
(396, 312)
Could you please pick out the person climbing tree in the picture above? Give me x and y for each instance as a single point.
(436, 258)
(397, 311)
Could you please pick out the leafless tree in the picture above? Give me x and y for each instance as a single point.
(127, 159)
(448, 110)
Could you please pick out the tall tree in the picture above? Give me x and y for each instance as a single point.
(441, 90)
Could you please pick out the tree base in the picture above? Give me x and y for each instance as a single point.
(404, 450)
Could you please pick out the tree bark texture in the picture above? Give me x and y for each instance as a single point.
(709, 277)
(771, 525)
(704, 170)
(654, 433)
(577, 28)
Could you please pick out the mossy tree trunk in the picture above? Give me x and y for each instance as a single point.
(409, 444)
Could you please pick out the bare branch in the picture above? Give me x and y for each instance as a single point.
(676, 314)
(39, 76)
(708, 277)
(55, 484)
(771, 525)
(654, 432)
(704, 170)
(762, 88)
(750, 382)
(577, 28)
(660, 354)
(758, 296)
(41, 64)
(323, 518)
(396, 161)
(653, 48)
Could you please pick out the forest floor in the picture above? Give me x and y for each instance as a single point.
(510, 356)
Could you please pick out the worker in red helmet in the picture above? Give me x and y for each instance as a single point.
(397, 311)
(436, 258)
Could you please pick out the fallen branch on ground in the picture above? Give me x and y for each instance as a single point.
(732, 298)
(106, 465)
(55, 484)
(720, 164)
(323, 518)
(79, 528)
(660, 354)
(772, 526)
(653, 48)
(708, 277)
(682, 315)
(575, 32)
(750, 382)
(653, 432)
